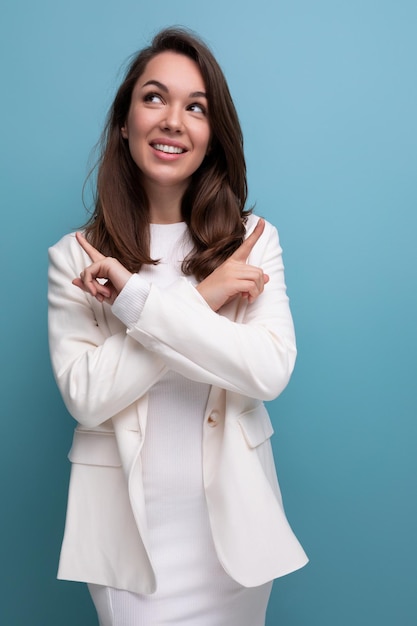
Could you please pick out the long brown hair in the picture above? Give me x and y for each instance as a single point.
(213, 206)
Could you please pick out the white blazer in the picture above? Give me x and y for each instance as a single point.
(103, 370)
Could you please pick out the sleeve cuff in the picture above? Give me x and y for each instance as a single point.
(130, 302)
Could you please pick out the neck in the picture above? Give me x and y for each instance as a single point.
(165, 204)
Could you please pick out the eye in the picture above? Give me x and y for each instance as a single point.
(196, 107)
(153, 98)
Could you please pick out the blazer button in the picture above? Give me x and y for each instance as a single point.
(212, 420)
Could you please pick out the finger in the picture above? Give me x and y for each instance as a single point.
(79, 283)
(245, 249)
(86, 284)
(95, 289)
(252, 293)
(92, 252)
(99, 296)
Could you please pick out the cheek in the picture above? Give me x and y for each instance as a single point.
(138, 124)
(204, 139)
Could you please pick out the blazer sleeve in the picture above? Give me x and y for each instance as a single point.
(98, 375)
(253, 356)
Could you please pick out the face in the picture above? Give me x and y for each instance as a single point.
(167, 126)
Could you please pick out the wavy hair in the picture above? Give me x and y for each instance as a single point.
(213, 205)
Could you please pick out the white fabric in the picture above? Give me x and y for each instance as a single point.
(123, 608)
(193, 588)
(169, 245)
(104, 371)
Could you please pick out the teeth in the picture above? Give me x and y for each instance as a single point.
(170, 149)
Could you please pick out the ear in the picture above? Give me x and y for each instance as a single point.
(124, 132)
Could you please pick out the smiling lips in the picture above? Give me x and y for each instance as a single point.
(161, 147)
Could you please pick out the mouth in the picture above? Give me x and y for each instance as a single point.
(162, 147)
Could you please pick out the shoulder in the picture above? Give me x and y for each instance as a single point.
(269, 230)
(65, 243)
(69, 250)
(268, 241)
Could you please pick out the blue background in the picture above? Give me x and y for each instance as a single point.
(327, 95)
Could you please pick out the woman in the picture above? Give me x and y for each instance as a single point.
(169, 325)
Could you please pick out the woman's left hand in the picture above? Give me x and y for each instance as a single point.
(235, 277)
(102, 267)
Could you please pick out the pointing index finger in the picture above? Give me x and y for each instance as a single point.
(92, 252)
(245, 249)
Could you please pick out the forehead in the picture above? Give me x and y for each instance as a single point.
(175, 70)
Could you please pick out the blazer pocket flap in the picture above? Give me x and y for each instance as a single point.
(94, 448)
(256, 426)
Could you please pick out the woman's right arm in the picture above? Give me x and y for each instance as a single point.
(98, 375)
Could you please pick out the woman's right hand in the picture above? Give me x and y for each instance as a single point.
(102, 267)
(235, 277)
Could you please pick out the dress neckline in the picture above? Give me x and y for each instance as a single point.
(176, 228)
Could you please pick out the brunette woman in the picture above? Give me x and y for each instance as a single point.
(169, 325)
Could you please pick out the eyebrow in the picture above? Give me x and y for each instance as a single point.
(162, 87)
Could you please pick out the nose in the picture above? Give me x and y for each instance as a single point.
(173, 120)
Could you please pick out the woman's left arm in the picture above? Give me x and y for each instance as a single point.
(253, 356)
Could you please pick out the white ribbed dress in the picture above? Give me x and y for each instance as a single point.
(193, 589)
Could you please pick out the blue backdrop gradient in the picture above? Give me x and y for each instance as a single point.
(327, 95)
